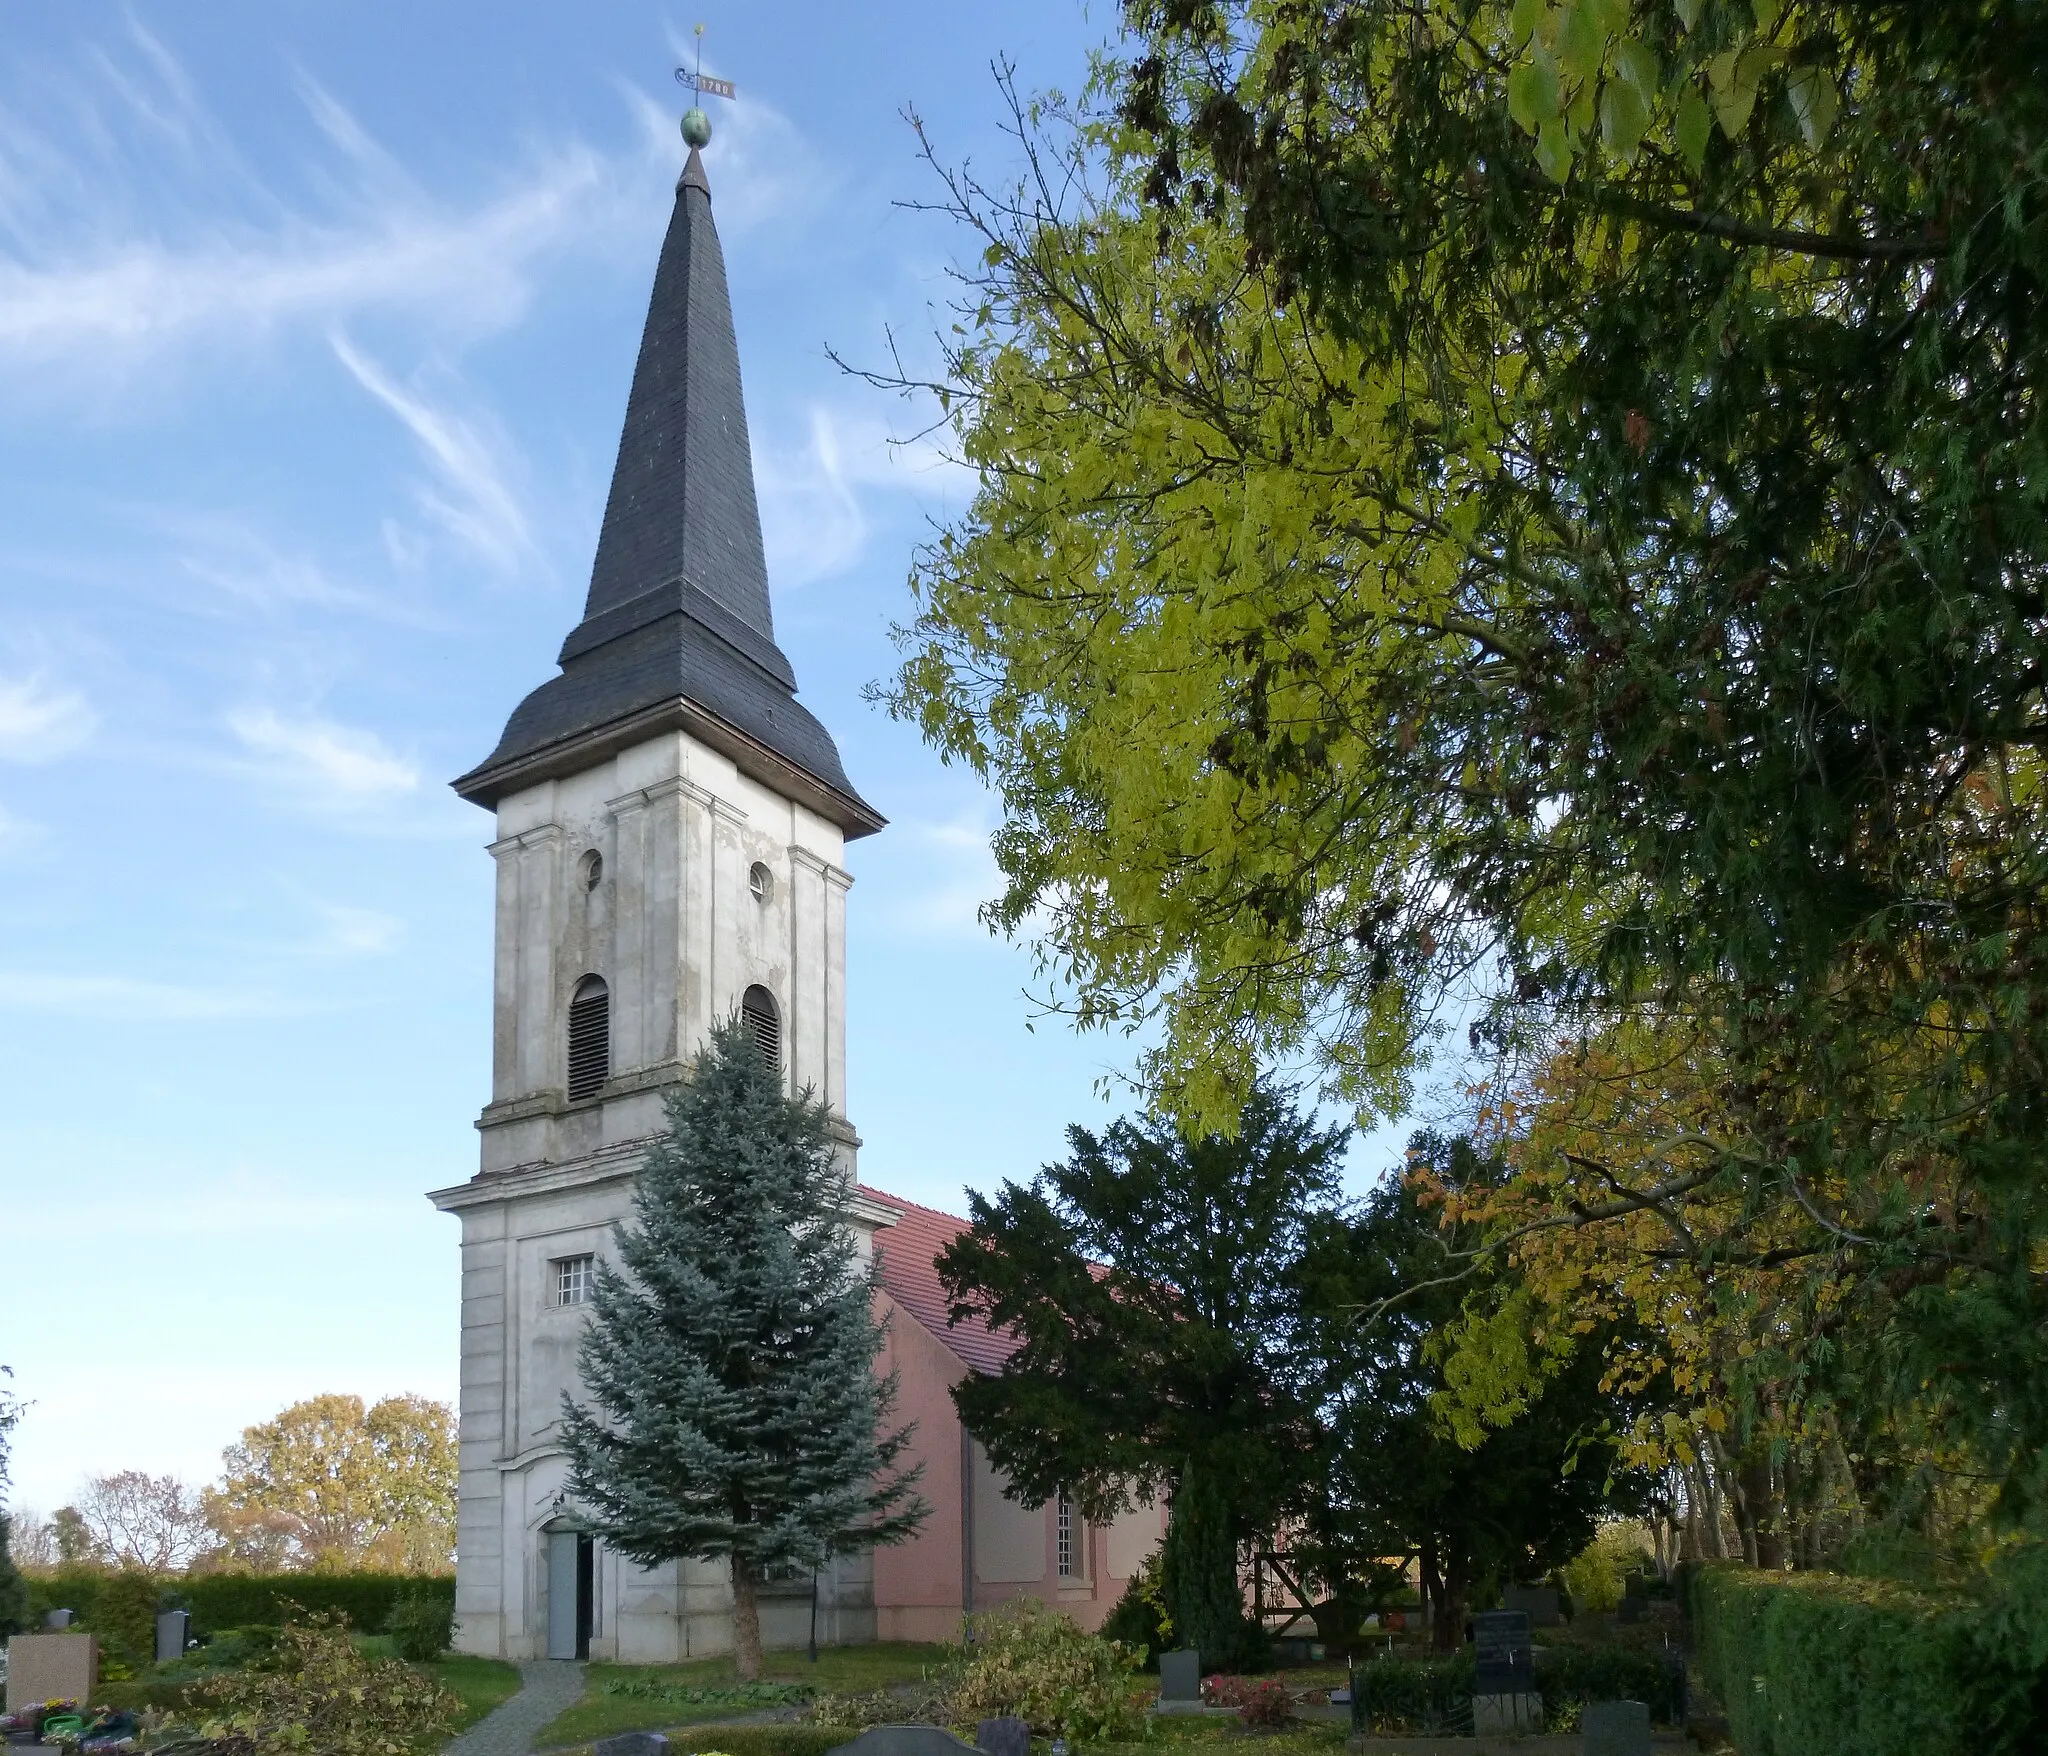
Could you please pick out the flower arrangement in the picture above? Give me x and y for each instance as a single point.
(1260, 1701)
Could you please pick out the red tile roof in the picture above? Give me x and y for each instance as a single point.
(909, 1252)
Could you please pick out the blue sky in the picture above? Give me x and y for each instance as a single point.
(316, 321)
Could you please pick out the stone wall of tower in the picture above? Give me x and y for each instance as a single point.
(674, 927)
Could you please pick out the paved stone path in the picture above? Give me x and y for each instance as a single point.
(547, 1687)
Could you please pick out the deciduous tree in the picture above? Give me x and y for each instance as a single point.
(1540, 507)
(330, 1482)
(153, 1524)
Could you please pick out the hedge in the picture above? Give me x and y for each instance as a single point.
(1816, 1664)
(1433, 1696)
(241, 1600)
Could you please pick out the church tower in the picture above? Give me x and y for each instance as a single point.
(670, 834)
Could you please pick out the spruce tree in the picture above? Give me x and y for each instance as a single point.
(734, 1411)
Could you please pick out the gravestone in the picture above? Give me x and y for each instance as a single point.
(632, 1744)
(1504, 1698)
(173, 1631)
(901, 1741)
(56, 1621)
(1180, 1676)
(51, 1667)
(1538, 1602)
(1008, 1736)
(1506, 1659)
(1616, 1728)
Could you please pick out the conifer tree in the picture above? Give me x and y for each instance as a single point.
(734, 1410)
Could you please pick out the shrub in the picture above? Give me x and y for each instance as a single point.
(927, 1703)
(1567, 1677)
(229, 1650)
(1822, 1665)
(123, 1615)
(1260, 1701)
(1415, 1697)
(1031, 1661)
(742, 1695)
(1139, 1619)
(1431, 1696)
(324, 1698)
(421, 1626)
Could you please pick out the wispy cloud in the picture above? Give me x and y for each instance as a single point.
(40, 721)
(144, 231)
(815, 495)
(959, 874)
(470, 499)
(126, 999)
(321, 762)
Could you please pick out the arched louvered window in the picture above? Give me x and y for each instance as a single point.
(590, 1038)
(763, 1020)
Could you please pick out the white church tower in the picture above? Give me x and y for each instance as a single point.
(670, 836)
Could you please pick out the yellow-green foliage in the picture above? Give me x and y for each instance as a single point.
(1594, 1576)
(1033, 1662)
(1816, 1664)
(324, 1698)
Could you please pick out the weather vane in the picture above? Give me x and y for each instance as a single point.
(697, 125)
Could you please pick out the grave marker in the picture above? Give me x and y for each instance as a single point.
(51, 1667)
(1616, 1728)
(1180, 1676)
(173, 1631)
(1007, 1736)
(1538, 1602)
(632, 1744)
(1504, 1697)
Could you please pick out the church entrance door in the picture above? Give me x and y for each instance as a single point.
(572, 1574)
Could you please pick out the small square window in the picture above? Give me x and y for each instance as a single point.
(572, 1280)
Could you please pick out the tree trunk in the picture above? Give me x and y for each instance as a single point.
(1448, 1633)
(746, 1620)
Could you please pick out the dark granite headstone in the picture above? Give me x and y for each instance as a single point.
(1180, 1675)
(1538, 1602)
(632, 1744)
(173, 1630)
(1008, 1736)
(1616, 1728)
(896, 1741)
(1506, 1661)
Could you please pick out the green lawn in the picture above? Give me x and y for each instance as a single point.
(480, 1684)
(840, 1670)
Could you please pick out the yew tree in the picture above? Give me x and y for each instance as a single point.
(1533, 513)
(1151, 1282)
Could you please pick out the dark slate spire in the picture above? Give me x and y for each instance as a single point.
(682, 501)
(677, 628)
